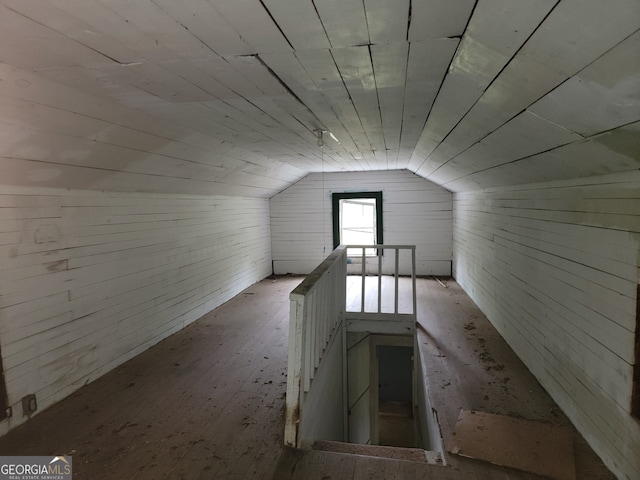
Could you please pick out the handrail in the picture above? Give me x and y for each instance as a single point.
(317, 308)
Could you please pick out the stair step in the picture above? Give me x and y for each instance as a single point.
(381, 451)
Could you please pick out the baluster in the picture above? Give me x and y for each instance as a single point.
(413, 281)
(397, 250)
(380, 280)
(307, 343)
(317, 295)
(363, 277)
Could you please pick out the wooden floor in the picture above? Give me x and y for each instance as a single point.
(396, 425)
(208, 402)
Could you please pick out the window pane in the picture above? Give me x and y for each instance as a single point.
(357, 220)
(358, 223)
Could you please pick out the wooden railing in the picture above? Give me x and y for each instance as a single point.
(316, 316)
(394, 270)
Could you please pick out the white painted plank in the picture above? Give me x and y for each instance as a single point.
(439, 19)
(344, 21)
(495, 33)
(162, 35)
(321, 68)
(53, 120)
(579, 159)
(458, 92)
(198, 17)
(523, 136)
(253, 22)
(428, 63)
(93, 25)
(48, 92)
(356, 70)
(600, 97)
(586, 31)
(387, 22)
(29, 44)
(540, 66)
(267, 93)
(154, 78)
(290, 70)
(390, 70)
(300, 23)
(99, 155)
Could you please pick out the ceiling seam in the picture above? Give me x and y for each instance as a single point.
(409, 20)
(239, 95)
(404, 103)
(94, 140)
(119, 124)
(276, 24)
(575, 75)
(91, 167)
(69, 37)
(487, 87)
(291, 92)
(526, 109)
(352, 103)
(162, 66)
(335, 114)
(375, 80)
(582, 139)
(366, 21)
(313, 2)
(190, 31)
(475, 5)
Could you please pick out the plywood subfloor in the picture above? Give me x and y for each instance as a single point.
(471, 367)
(208, 402)
(529, 446)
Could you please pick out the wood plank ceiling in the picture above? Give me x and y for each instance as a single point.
(227, 96)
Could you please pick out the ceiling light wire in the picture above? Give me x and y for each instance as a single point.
(320, 143)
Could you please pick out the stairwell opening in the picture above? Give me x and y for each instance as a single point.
(387, 397)
(350, 336)
(395, 405)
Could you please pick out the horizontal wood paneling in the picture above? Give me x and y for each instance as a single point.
(91, 279)
(415, 212)
(555, 267)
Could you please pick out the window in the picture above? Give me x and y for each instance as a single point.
(357, 220)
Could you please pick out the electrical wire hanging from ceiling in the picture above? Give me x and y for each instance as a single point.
(320, 142)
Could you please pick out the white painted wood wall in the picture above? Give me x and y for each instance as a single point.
(359, 392)
(555, 267)
(322, 411)
(91, 279)
(415, 212)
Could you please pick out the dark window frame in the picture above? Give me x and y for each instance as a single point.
(335, 205)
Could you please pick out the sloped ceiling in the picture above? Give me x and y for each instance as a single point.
(229, 96)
